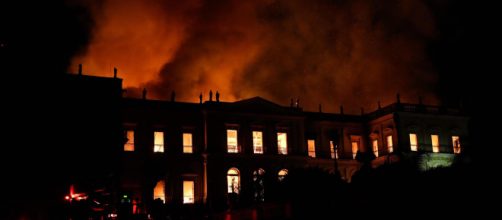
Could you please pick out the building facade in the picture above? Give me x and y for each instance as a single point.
(220, 155)
(226, 154)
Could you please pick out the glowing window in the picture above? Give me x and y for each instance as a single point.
(158, 143)
(435, 143)
(187, 143)
(233, 180)
(375, 147)
(232, 141)
(159, 192)
(282, 143)
(282, 174)
(413, 142)
(258, 142)
(390, 146)
(188, 192)
(129, 145)
(333, 150)
(311, 146)
(355, 141)
(456, 144)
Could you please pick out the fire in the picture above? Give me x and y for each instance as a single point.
(321, 52)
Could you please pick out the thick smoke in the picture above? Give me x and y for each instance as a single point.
(331, 52)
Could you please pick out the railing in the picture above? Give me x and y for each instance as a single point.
(417, 108)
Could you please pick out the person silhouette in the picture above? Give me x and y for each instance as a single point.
(217, 96)
(200, 98)
(210, 95)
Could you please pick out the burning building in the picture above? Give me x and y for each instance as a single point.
(225, 154)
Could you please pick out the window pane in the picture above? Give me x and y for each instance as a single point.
(282, 143)
(282, 174)
(334, 152)
(129, 145)
(232, 141)
(311, 148)
(159, 191)
(258, 142)
(375, 147)
(456, 144)
(355, 148)
(158, 145)
(390, 146)
(413, 142)
(187, 143)
(188, 192)
(233, 180)
(435, 143)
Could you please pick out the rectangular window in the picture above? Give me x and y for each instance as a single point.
(129, 145)
(413, 142)
(232, 146)
(311, 146)
(435, 143)
(282, 143)
(258, 142)
(187, 143)
(159, 192)
(158, 143)
(375, 147)
(188, 192)
(355, 148)
(355, 141)
(334, 152)
(456, 144)
(390, 146)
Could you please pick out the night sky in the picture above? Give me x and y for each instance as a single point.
(351, 53)
(332, 52)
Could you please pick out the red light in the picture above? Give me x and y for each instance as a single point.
(67, 197)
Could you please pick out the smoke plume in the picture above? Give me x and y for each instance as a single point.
(329, 52)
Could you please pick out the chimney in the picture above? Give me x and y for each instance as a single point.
(79, 69)
(298, 103)
(144, 93)
(341, 109)
(398, 98)
(114, 72)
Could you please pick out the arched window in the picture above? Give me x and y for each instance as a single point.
(282, 174)
(159, 191)
(259, 185)
(233, 180)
